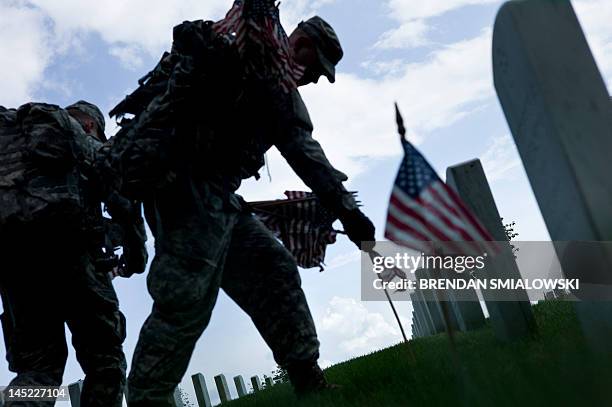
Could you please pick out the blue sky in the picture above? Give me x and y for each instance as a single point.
(432, 57)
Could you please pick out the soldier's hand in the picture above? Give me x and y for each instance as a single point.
(359, 229)
(134, 260)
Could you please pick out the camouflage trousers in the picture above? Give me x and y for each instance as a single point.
(198, 251)
(41, 291)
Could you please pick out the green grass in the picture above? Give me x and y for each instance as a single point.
(555, 368)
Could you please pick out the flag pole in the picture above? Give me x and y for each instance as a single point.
(396, 316)
(372, 253)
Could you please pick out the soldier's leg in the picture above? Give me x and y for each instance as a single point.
(98, 332)
(261, 276)
(33, 329)
(184, 282)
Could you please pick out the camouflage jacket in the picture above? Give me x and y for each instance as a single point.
(284, 123)
(263, 115)
(126, 229)
(215, 122)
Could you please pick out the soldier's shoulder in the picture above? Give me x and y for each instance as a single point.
(190, 34)
(43, 114)
(300, 110)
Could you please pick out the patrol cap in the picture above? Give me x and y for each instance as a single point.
(90, 110)
(327, 44)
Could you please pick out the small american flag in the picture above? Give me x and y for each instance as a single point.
(423, 209)
(255, 28)
(301, 223)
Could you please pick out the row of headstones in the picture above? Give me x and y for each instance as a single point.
(200, 388)
(558, 109)
(203, 397)
(433, 310)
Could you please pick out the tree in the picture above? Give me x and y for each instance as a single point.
(509, 229)
(185, 398)
(510, 234)
(280, 375)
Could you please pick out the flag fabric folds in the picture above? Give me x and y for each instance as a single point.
(301, 223)
(261, 40)
(423, 209)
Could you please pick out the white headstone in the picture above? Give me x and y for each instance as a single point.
(558, 109)
(430, 304)
(421, 314)
(177, 400)
(74, 390)
(240, 386)
(224, 393)
(201, 390)
(256, 383)
(510, 319)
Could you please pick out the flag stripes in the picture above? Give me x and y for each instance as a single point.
(301, 223)
(261, 41)
(423, 209)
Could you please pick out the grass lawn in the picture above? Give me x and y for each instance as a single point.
(553, 369)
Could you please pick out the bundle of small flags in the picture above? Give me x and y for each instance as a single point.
(301, 223)
(255, 27)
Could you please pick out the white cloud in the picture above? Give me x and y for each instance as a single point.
(343, 259)
(129, 57)
(32, 31)
(409, 35)
(413, 17)
(25, 51)
(385, 67)
(595, 17)
(144, 23)
(354, 118)
(355, 330)
(407, 10)
(500, 159)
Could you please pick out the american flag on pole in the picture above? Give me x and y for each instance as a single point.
(423, 209)
(255, 28)
(301, 223)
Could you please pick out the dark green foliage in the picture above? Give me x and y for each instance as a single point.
(510, 234)
(280, 375)
(509, 229)
(556, 368)
(185, 398)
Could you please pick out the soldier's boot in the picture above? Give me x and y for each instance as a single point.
(308, 378)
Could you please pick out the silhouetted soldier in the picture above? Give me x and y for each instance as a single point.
(54, 269)
(226, 102)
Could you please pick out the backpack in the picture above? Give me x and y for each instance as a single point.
(40, 181)
(176, 109)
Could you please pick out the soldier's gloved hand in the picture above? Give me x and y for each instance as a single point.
(359, 229)
(135, 260)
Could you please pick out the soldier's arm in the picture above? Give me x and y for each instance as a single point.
(134, 245)
(308, 160)
(306, 157)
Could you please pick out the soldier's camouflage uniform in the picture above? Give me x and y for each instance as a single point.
(206, 239)
(48, 279)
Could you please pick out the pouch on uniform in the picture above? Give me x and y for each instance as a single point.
(176, 110)
(39, 175)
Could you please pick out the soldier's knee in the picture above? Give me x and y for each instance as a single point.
(180, 284)
(104, 358)
(104, 388)
(41, 366)
(112, 375)
(282, 263)
(50, 376)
